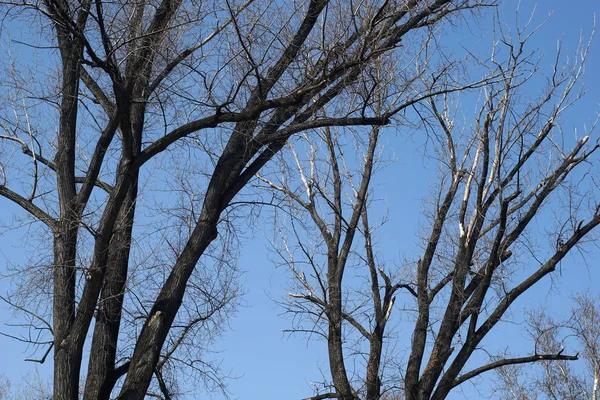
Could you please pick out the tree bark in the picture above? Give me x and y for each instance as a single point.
(101, 370)
(66, 366)
(67, 361)
(335, 344)
(373, 382)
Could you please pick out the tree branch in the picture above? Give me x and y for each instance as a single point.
(512, 361)
(28, 206)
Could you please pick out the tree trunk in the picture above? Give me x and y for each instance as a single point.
(66, 364)
(373, 382)
(335, 345)
(101, 370)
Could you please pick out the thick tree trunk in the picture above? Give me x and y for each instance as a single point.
(66, 374)
(335, 345)
(101, 370)
(67, 361)
(66, 364)
(373, 382)
(102, 375)
(413, 369)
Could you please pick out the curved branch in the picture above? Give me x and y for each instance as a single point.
(512, 361)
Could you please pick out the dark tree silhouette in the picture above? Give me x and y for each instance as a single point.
(217, 86)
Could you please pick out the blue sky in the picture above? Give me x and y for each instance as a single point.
(269, 364)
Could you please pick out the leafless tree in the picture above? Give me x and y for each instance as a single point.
(334, 200)
(559, 379)
(501, 178)
(31, 386)
(218, 87)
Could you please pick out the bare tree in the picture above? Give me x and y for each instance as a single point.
(501, 178)
(31, 386)
(559, 379)
(334, 199)
(218, 86)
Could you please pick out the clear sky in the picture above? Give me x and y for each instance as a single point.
(269, 364)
